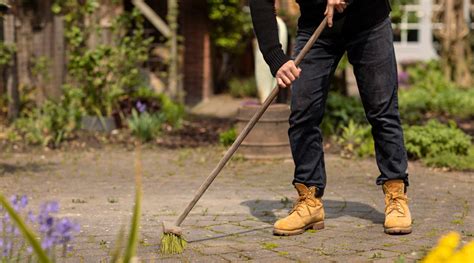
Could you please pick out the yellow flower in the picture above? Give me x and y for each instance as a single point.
(445, 249)
(464, 255)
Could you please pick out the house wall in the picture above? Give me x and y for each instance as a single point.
(194, 24)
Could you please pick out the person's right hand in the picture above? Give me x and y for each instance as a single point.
(339, 5)
(287, 74)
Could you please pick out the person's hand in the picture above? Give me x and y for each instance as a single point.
(287, 74)
(339, 5)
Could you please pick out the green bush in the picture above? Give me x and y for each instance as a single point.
(105, 73)
(416, 103)
(228, 137)
(172, 113)
(340, 110)
(53, 122)
(453, 161)
(356, 140)
(240, 88)
(145, 126)
(434, 139)
(231, 25)
(431, 94)
(428, 76)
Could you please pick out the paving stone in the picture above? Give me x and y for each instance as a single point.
(234, 219)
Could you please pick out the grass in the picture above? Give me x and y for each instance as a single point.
(269, 245)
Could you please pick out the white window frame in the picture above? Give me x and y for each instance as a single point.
(423, 48)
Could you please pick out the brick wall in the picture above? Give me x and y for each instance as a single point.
(197, 81)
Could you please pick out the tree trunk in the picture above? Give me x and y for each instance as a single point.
(12, 74)
(172, 18)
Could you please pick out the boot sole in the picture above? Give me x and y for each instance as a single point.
(315, 226)
(398, 230)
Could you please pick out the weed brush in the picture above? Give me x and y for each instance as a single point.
(172, 241)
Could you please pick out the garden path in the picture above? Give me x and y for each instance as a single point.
(233, 221)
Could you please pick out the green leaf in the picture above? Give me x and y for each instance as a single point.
(134, 227)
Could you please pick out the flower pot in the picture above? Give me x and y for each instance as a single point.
(269, 137)
(98, 124)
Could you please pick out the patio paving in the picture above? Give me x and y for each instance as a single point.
(233, 221)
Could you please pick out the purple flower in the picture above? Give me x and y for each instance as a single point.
(31, 217)
(141, 107)
(18, 203)
(7, 247)
(47, 243)
(54, 231)
(65, 230)
(49, 207)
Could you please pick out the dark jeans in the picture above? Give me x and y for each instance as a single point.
(372, 55)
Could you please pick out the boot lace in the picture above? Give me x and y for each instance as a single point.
(301, 202)
(394, 203)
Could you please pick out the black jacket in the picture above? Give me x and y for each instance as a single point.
(359, 15)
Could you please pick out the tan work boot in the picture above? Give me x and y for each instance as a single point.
(397, 213)
(308, 212)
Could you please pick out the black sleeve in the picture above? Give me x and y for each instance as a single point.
(266, 29)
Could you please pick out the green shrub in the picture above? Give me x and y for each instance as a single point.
(231, 25)
(145, 126)
(240, 88)
(172, 113)
(453, 161)
(434, 139)
(53, 122)
(431, 93)
(228, 137)
(415, 103)
(340, 110)
(356, 140)
(105, 73)
(428, 76)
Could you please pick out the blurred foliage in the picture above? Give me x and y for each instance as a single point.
(231, 25)
(173, 113)
(6, 54)
(144, 125)
(228, 137)
(356, 140)
(340, 110)
(397, 9)
(430, 93)
(452, 161)
(429, 96)
(435, 138)
(241, 88)
(99, 79)
(108, 72)
(51, 123)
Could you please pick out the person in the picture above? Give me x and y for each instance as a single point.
(363, 30)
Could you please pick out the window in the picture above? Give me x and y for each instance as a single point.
(406, 21)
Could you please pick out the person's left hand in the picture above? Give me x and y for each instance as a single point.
(339, 5)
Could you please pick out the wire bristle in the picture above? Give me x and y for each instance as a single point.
(172, 244)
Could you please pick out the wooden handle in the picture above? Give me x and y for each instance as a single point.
(230, 152)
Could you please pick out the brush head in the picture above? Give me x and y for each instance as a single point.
(169, 228)
(172, 240)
